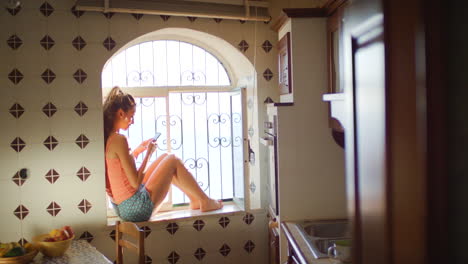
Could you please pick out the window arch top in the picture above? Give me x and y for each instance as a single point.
(164, 63)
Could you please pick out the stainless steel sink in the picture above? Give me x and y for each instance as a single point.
(322, 234)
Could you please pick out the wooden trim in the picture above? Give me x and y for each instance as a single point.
(305, 12)
(333, 5)
(297, 13)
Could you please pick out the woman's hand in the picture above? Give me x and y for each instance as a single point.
(142, 147)
(151, 147)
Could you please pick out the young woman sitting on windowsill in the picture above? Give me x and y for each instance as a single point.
(136, 193)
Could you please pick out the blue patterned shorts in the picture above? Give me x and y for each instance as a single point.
(137, 208)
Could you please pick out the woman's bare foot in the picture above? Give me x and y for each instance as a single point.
(210, 205)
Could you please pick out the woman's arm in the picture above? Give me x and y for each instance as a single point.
(120, 146)
(142, 147)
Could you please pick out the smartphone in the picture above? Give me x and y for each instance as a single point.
(156, 136)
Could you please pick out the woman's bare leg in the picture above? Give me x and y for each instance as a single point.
(171, 169)
(152, 167)
(194, 203)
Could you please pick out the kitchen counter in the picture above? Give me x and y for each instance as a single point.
(300, 245)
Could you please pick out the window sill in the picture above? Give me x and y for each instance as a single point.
(184, 213)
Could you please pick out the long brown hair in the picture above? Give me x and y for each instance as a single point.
(115, 100)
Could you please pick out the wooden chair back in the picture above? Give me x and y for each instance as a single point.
(132, 230)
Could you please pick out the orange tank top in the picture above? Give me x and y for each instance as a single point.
(117, 183)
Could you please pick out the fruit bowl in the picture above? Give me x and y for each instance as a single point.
(51, 249)
(26, 258)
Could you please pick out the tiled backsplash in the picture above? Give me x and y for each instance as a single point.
(51, 61)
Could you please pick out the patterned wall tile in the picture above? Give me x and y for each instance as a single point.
(48, 76)
(79, 43)
(83, 173)
(82, 141)
(50, 143)
(18, 180)
(173, 257)
(46, 9)
(76, 13)
(52, 176)
(21, 212)
(49, 109)
(15, 76)
(14, 11)
(16, 110)
(54, 209)
(85, 206)
(18, 144)
(14, 42)
(80, 76)
(109, 43)
(47, 42)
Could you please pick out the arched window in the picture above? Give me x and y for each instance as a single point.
(164, 63)
(184, 93)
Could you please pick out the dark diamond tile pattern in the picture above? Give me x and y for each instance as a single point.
(23, 241)
(217, 20)
(172, 228)
(192, 19)
(198, 225)
(137, 16)
(165, 18)
(249, 246)
(112, 234)
(17, 179)
(84, 206)
(173, 257)
(249, 218)
(76, 13)
(199, 253)
(47, 42)
(243, 45)
(109, 43)
(18, 144)
(79, 43)
(224, 250)
(253, 187)
(267, 46)
(224, 221)
(50, 143)
(267, 74)
(49, 109)
(21, 212)
(15, 76)
(80, 76)
(53, 209)
(108, 15)
(46, 9)
(82, 141)
(52, 176)
(87, 236)
(16, 110)
(14, 11)
(83, 173)
(242, 21)
(48, 76)
(146, 230)
(81, 108)
(14, 42)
